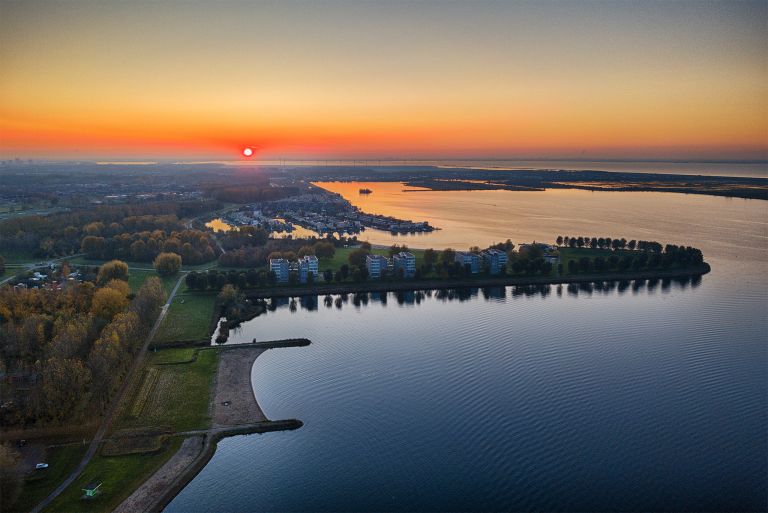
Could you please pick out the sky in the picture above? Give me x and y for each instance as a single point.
(331, 79)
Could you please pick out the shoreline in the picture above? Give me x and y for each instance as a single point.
(234, 410)
(499, 281)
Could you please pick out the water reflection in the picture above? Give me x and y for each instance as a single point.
(407, 298)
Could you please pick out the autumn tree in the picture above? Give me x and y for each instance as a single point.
(167, 264)
(107, 303)
(119, 285)
(149, 300)
(113, 270)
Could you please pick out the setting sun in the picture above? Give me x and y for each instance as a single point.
(247, 152)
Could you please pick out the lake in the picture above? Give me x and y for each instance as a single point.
(640, 396)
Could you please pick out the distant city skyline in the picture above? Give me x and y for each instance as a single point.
(395, 80)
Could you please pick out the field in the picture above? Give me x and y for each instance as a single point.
(341, 257)
(119, 475)
(173, 391)
(188, 319)
(136, 278)
(61, 461)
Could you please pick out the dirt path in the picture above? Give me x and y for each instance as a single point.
(145, 497)
(234, 402)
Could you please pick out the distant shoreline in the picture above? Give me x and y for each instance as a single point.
(498, 281)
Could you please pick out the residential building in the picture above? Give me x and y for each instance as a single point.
(307, 266)
(375, 265)
(469, 260)
(405, 261)
(280, 267)
(495, 260)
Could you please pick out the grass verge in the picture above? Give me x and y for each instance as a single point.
(189, 318)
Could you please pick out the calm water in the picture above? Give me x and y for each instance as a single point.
(646, 397)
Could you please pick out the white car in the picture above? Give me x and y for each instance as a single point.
(41, 465)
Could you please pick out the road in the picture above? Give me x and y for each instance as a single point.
(114, 406)
(30, 266)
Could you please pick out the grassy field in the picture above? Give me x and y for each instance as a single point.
(119, 475)
(61, 461)
(188, 318)
(341, 257)
(137, 278)
(173, 396)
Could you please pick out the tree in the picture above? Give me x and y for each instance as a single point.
(119, 285)
(228, 296)
(306, 251)
(10, 479)
(430, 257)
(324, 249)
(2, 265)
(328, 275)
(113, 270)
(357, 257)
(167, 264)
(149, 300)
(394, 249)
(448, 256)
(107, 303)
(559, 240)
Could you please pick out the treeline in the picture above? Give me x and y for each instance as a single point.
(680, 256)
(251, 193)
(258, 256)
(216, 280)
(194, 246)
(64, 352)
(609, 243)
(61, 234)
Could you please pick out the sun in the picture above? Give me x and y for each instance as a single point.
(247, 152)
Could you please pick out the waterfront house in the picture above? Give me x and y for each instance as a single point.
(280, 267)
(375, 265)
(308, 265)
(470, 261)
(405, 261)
(494, 259)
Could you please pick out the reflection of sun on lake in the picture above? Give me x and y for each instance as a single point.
(219, 225)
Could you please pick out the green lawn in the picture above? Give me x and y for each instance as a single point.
(189, 318)
(341, 257)
(81, 260)
(173, 396)
(137, 278)
(119, 475)
(61, 461)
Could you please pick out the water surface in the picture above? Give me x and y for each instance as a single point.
(640, 396)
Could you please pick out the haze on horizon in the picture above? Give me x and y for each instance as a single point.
(333, 79)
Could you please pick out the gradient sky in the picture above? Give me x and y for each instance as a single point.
(329, 79)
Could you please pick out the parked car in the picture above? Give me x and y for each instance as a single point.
(41, 466)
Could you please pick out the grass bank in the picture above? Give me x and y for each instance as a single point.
(119, 475)
(173, 391)
(189, 319)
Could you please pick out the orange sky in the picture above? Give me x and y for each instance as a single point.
(395, 80)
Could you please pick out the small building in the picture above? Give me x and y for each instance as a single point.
(375, 265)
(469, 260)
(308, 265)
(405, 261)
(495, 260)
(281, 268)
(91, 489)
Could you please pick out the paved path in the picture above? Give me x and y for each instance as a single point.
(113, 408)
(144, 498)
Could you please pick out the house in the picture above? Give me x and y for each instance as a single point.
(375, 265)
(405, 261)
(308, 265)
(280, 267)
(495, 260)
(469, 261)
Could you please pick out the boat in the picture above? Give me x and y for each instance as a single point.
(365, 191)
